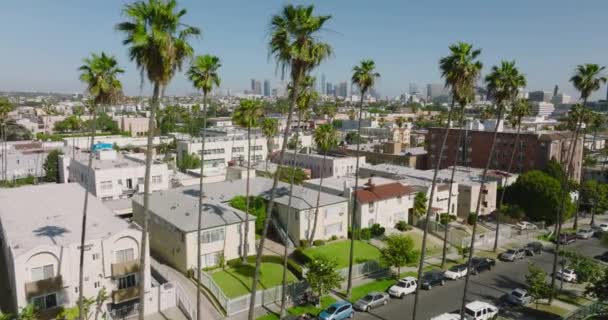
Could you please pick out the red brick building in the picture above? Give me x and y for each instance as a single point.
(535, 149)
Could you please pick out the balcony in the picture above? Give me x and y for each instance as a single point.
(124, 268)
(40, 287)
(122, 295)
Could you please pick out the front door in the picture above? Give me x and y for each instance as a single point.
(129, 183)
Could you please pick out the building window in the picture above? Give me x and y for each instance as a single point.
(97, 284)
(105, 185)
(45, 302)
(256, 148)
(125, 255)
(214, 162)
(399, 199)
(157, 179)
(371, 207)
(211, 259)
(95, 256)
(212, 236)
(127, 282)
(44, 272)
(333, 228)
(238, 149)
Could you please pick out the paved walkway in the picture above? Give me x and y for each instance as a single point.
(209, 312)
(169, 314)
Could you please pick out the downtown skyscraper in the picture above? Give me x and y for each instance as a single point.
(267, 88)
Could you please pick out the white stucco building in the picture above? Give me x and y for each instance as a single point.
(384, 204)
(40, 240)
(335, 165)
(114, 175)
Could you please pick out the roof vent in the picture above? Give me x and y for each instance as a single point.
(187, 214)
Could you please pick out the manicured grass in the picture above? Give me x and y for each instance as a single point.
(326, 301)
(236, 281)
(340, 251)
(549, 308)
(432, 247)
(572, 298)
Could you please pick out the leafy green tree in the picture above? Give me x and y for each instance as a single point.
(599, 288)
(297, 50)
(6, 316)
(51, 166)
(364, 77)
(537, 286)
(157, 38)
(322, 275)
(555, 169)
(400, 251)
(585, 268)
(73, 313)
(326, 138)
(285, 174)
(189, 161)
(420, 204)
(28, 312)
(593, 197)
(257, 207)
(100, 74)
(247, 115)
(538, 194)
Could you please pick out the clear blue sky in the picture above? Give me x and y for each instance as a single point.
(44, 41)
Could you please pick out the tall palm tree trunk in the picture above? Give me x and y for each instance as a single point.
(200, 210)
(502, 194)
(275, 181)
(286, 240)
(314, 225)
(457, 153)
(429, 209)
(565, 193)
(83, 229)
(477, 207)
(349, 285)
(245, 240)
(144, 235)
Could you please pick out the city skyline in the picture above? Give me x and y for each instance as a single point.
(546, 41)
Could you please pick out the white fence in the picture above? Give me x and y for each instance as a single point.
(362, 269)
(236, 305)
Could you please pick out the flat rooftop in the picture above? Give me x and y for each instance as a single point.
(340, 183)
(463, 175)
(131, 160)
(51, 214)
(179, 207)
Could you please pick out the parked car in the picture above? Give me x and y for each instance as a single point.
(432, 278)
(533, 248)
(403, 287)
(567, 238)
(456, 272)
(519, 297)
(525, 225)
(481, 264)
(479, 310)
(337, 311)
(602, 257)
(447, 316)
(585, 233)
(371, 300)
(603, 227)
(567, 275)
(513, 254)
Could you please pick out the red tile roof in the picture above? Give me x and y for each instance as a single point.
(382, 192)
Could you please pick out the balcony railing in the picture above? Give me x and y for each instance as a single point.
(122, 295)
(40, 287)
(124, 268)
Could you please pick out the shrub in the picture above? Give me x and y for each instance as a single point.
(446, 218)
(354, 234)
(377, 230)
(304, 243)
(365, 234)
(190, 273)
(300, 256)
(403, 226)
(233, 263)
(471, 218)
(295, 268)
(333, 238)
(318, 242)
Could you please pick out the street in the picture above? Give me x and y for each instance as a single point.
(487, 286)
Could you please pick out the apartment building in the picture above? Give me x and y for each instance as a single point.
(336, 165)
(173, 226)
(84, 143)
(385, 204)
(535, 149)
(40, 240)
(113, 175)
(136, 126)
(26, 158)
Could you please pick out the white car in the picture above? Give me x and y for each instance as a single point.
(456, 272)
(479, 310)
(584, 233)
(403, 287)
(447, 316)
(603, 227)
(524, 225)
(567, 275)
(519, 297)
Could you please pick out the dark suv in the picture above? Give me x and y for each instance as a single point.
(481, 264)
(533, 248)
(432, 278)
(567, 238)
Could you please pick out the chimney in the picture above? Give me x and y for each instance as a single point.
(369, 184)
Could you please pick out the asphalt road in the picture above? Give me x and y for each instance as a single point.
(488, 286)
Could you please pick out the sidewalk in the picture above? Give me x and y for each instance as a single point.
(208, 311)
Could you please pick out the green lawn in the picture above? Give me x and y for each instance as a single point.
(326, 301)
(572, 298)
(549, 308)
(340, 251)
(236, 281)
(433, 247)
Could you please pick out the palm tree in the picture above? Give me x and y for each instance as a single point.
(587, 79)
(158, 44)
(247, 115)
(297, 50)
(5, 107)
(204, 76)
(521, 108)
(460, 70)
(364, 77)
(270, 128)
(400, 121)
(307, 96)
(99, 72)
(503, 84)
(326, 138)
